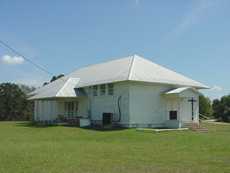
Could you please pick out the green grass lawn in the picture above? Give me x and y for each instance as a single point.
(24, 149)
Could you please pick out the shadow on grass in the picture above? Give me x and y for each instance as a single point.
(35, 125)
(104, 129)
(39, 125)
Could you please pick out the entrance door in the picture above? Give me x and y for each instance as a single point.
(186, 110)
(107, 119)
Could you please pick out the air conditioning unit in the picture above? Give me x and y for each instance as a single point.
(107, 118)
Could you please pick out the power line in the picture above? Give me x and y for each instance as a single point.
(27, 59)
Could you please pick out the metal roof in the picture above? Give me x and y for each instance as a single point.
(147, 71)
(64, 87)
(179, 90)
(131, 68)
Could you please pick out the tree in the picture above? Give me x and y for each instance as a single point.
(221, 108)
(205, 106)
(53, 79)
(13, 103)
(26, 89)
(56, 77)
(45, 83)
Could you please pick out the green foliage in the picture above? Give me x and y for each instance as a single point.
(205, 106)
(53, 79)
(221, 108)
(13, 102)
(45, 83)
(26, 89)
(56, 77)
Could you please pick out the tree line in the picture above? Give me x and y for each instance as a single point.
(218, 108)
(14, 103)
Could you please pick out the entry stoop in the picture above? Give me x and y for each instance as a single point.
(195, 127)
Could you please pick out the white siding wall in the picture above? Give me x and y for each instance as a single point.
(186, 107)
(147, 106)
(82, 106)
(142, 105)
(181, 104)
(50, 109)
(45, 110)
(173, 104)
(109, 104)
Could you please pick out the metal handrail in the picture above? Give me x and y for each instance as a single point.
(204, 117)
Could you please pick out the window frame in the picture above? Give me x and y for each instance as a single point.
(111, 89)
(173, 115)
(95, 90)
(71, 108)
(103, 90)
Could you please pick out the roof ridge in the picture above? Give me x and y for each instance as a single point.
(98, 63)
(164, 67)
(65, 84)
(131, 67)
(62, 86)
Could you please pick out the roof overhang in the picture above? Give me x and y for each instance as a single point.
(61, 88)
(178, 92)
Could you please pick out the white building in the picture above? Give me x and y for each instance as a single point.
(130, 92)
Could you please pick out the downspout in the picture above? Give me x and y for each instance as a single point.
(90, 103)
(120, 97)
(119, 109)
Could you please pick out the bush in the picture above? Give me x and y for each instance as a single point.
(205, 106)
(13, 103)
(221, 108)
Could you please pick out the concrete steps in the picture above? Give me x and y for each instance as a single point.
(203, 130)
(196, 127)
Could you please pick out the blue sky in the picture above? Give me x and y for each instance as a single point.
(191, 37)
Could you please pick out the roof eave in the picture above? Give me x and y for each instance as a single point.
(53, 98)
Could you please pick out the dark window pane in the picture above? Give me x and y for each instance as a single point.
(110, 89)
(95, 90)
(173, 115)
(102, 89)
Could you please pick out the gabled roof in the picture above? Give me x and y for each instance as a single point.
(131, 68)
(148, 71)
(64, 87)
(107, 72)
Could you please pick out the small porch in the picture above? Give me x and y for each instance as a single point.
(182, 107)
(56, 110)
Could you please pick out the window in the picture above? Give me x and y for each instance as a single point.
(95, 90)
(76, 107)
(110, 89)
(172, 115)
(71, 109)
(102, 90)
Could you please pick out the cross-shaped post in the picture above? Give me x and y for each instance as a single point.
(192, 102)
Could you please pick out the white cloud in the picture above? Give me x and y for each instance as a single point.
(137, 2)
(7, 59)
(216, 88)
(31, 82)
(32, 79)
(194, 16)
(198, 12)
(216, 92)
